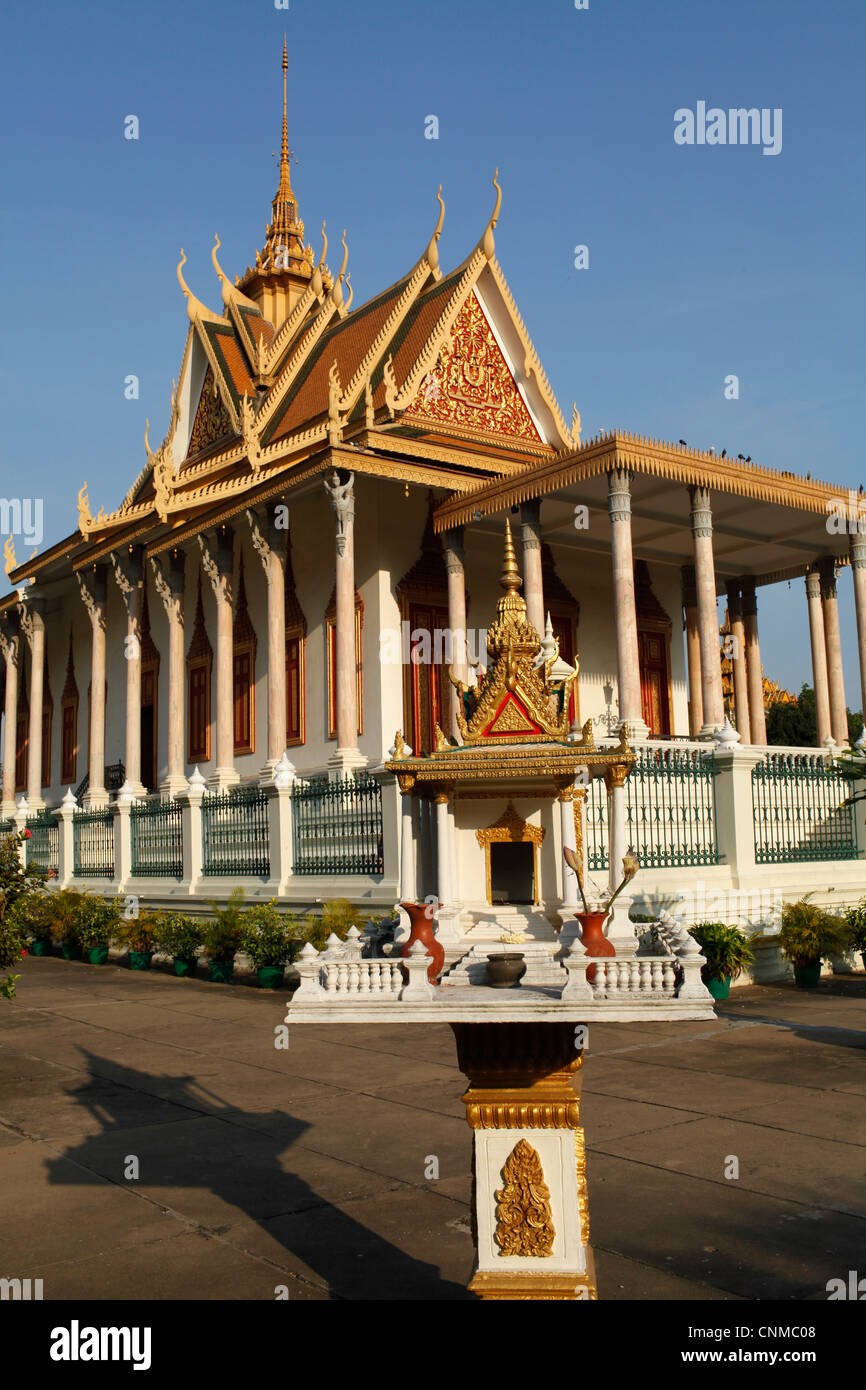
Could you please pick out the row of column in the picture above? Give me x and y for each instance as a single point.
(217, 560)
(706, 700)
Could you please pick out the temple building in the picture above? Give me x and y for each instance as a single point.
(303, 565)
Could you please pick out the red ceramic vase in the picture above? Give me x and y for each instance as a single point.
(422, 930)
(593, 939)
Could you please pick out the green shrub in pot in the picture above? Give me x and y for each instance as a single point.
(98, 922)
(809, 935)
(269, 940)
(223, 935)
(855, 922)
(180, 936)
(727, 953)
(141, 935)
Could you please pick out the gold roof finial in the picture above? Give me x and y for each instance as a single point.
(510, 577)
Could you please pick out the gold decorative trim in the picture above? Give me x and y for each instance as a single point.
(582, 1186)
(524, 1219)
(652, 457)
(510, 829)
(517, 1286)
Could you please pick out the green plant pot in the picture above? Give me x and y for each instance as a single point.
(719, 986)
(221, 971)
(184, 968)
(97, 955)
(40, 948)
(271, 976)
(71, 952)
(807, 976)
(140, 960)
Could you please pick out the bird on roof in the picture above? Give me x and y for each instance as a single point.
(684, 444)
(741, 457)
(723, 453)
(748, 458)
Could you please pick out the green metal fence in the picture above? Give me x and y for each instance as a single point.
(338, 826)
(93, 844)
(156, 835)
(797, 803)
(670, 811)
(6, 827)
(235, 836)
(43, 847)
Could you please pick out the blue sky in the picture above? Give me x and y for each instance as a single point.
(703, 261)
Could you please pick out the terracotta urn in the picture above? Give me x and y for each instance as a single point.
(593, 939)
(421, 917)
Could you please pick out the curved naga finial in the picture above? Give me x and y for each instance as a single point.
(432, 252)
(488, 245)
(351, 291)
(148, 449)
(194, 307)
(337, 291)
(10, 563)
(216, 265)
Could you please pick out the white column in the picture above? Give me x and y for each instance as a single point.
(708, 614)
(217, 562)
(9, 645)
(569, 841)
(754, 669)
(407, 848)
(452, 544)
(31, 613)
(443, 849)
(858, 574)
(128, 573)
(833, 640)
(93, 592)
(347, 756)
(269, 544)
(533, 585)
(738, 660)
(171, 591)
(820, 683)
(625, 614)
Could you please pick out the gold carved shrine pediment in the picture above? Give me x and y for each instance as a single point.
(212, 420)
(472, 385)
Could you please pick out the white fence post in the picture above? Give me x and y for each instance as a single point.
(66, 840)
(190, 803)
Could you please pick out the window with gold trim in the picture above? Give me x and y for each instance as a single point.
(47, 725)
(296, 641)
(69, 724)
(199, 664)
(243, 672)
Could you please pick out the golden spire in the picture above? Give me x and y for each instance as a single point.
(285, 208)
(510, 577)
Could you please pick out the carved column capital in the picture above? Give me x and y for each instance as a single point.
(750, 599)
(342, 499)
(735, 603)
(702, 512)
(858, 552)
(530, 516)
(619, 494)
(8, 644)
(454, 551)
(93, 596)
(827, 574)
(31, 610)
(216, 563)
(169, 590)
(813, 583)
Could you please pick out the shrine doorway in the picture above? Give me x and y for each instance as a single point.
(511, 846)
(512, 873)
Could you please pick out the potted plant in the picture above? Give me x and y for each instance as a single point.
(180, 936)
(505, 970)
(97, 924)
(268, 941)
(32, 913)
(141, 934)
(727, 952)
(809, 934)
(223, 935)
(65, 910)
(855, 921)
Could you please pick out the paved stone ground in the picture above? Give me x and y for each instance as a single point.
(306, 1167)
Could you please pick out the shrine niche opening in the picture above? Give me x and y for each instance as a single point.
(511, 848)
